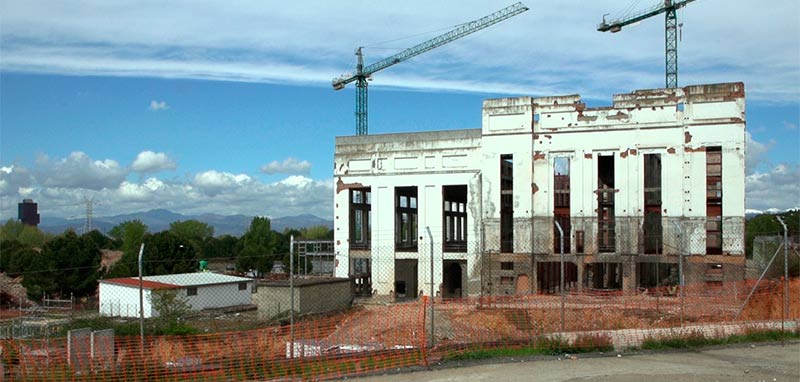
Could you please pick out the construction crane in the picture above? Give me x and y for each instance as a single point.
(364, 73)
(669, 8)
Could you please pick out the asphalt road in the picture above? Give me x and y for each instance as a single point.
(759, 362)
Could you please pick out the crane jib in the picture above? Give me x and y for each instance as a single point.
(364, 72)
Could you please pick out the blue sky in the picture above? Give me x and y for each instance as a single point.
(206, 107)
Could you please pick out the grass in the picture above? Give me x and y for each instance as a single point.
(548, 346)
(698, 340)
(590, 343)
(129, 327)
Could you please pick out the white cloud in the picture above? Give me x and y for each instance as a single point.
(156, 106)
(79, 171)
(148, 161)
(297, 181)
(13, 179)
(777, 188)
(293, 44)
(756, 153)
(288, 166)
(213, 182)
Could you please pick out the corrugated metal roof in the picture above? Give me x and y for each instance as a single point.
(134, 282)
(197, 279)
(179, 280)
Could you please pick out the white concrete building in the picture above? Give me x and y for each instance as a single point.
(657, 174)
(203, 290)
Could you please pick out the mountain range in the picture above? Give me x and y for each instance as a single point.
(750, 213)
(159, 220)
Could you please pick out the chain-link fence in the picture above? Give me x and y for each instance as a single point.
(486, 294)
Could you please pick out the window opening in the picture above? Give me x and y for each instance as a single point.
(561, 210)
(714, 200)
(454, 212)
(406, 218)
(653, 239)
(605, 203)
(360, 218)
(506, 203)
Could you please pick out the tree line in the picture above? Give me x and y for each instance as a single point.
(69, 264)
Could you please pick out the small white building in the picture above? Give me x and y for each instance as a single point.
(656, 175)
(203, 290)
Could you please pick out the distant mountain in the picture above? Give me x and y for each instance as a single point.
(749, 213)
(159, 220)
(299, 221)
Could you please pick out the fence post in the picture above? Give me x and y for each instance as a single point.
(141, 304)
(681, 279)
(785, 310)
(291, 296)
(433, 341)
(769, 264)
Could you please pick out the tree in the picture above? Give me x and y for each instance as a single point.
(129, 234)
(15, 257)
(318, 232)
(166, 253)
(171, 309)
(126, 266)
(11, 230)
(225, 246)
(33, 236)
(257, 247)
(99, 240)
(768, 225)
(193, 230)
(25, 234)
(68, 264)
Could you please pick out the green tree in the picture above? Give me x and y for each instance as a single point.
(15, 257)
(317, 232)
(33, 236)
(129, 234)
(25, 234)
(193, 230)
(171, 308)
(128, 237)
(768, 225)
(99, 240)
(225, 246)
(761, 225)
(166, 253)
(68, 264)
(11, 230)
(258, 246)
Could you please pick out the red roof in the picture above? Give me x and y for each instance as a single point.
(134, 282)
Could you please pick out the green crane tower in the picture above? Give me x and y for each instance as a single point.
(669, 8)
(363, 73)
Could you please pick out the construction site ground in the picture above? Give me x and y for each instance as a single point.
(771, 362)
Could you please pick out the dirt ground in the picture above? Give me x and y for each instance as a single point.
(758, 362)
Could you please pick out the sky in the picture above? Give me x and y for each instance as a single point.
(227, 107)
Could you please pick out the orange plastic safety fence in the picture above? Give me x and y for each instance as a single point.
(370, 339)
(375, 337)
(613, 320)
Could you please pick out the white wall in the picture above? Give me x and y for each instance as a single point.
(675, 123)
(123, 301)
(427, 161)
(219, 296)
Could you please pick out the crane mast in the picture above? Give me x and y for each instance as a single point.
(669, 8)
(363, 73)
